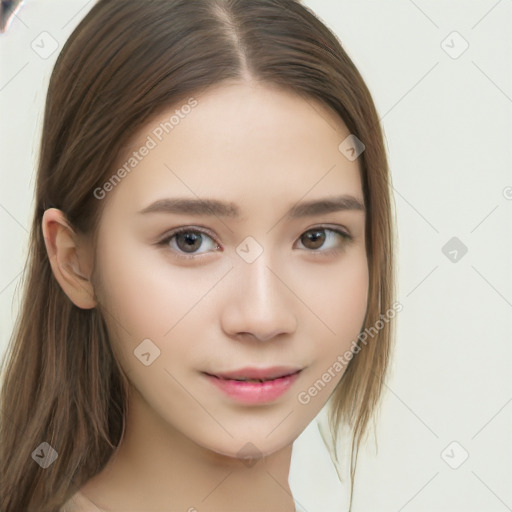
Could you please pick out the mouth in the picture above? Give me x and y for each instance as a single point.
(257, 374)
(255, 385)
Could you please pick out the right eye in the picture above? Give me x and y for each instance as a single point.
(185, 242)
(319, 234)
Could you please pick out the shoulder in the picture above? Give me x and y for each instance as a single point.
(79, 503)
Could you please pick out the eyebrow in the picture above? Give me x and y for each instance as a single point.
(188, 206)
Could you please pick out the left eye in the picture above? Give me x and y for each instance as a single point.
(186, 241)
(317, 237)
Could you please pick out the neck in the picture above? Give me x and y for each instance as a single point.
(156, 467)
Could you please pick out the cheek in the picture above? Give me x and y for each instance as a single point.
(352, 300)
(145, 298)
(338, 296)
(147, 294)
(340, 301)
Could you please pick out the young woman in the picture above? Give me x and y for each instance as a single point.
(211, 245)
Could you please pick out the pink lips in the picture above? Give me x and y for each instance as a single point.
(275, 382)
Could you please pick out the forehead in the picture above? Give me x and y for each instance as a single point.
(240, 141)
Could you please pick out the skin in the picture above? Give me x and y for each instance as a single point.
(297, 304)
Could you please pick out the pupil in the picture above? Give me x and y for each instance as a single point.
(317, 237)
(190, 240)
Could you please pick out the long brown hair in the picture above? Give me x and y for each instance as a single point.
(125, 63)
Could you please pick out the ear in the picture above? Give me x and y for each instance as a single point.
(71, 263)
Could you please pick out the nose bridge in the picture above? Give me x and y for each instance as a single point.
(255, 269)
(262, 304)
(259, 278)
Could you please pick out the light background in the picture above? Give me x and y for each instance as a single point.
(448, 126)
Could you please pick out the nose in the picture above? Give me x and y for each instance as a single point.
(259, 303)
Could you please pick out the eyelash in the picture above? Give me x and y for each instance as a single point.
(165, 241)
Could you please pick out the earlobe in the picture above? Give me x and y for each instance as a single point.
(67, 261)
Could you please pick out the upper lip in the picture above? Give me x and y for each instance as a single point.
(251, 372)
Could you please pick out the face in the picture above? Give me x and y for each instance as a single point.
(257, 285)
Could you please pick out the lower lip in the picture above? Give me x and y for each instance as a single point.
(254, 392)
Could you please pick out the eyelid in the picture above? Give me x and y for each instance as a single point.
(181, 229)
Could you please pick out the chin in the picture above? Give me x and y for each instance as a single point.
(259, 443)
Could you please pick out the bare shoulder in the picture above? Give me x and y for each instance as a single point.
(79, 503)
